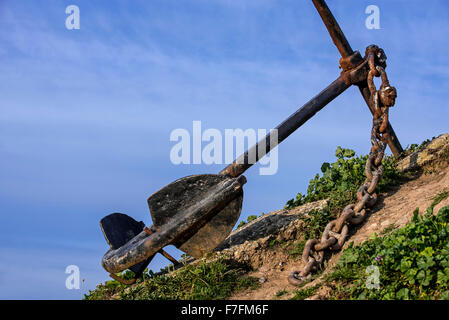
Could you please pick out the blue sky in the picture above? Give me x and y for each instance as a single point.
(86, 115)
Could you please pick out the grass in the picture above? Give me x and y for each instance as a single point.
(315, 222)
(440, 197)
(297, 248)
(203, 281)
(305, 293)
(280, 293)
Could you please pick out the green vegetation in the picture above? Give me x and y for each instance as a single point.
(302, 294)
(413, 261)
(205, 280)
(440, 197)
(340, 181)
(280, 293)
(315, 222)
(273, 243)
(297, 248)
(248, 220)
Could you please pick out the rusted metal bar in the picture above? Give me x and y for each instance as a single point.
(162, 251)
(169, 257)
(287, 127)
(346, 51)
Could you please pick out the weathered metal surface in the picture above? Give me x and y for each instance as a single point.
(209, 231)
(214, 232)
(118, 229)
(172, 200)
(179, 225)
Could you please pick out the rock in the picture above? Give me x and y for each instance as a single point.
(115, 296)
(385, 223)
(262, 280)
(314, 297)
(273, 223)
(437, 148)
(249, 244)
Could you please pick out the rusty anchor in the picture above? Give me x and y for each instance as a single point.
(196, 213)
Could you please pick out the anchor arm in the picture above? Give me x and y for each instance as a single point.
(146, 244)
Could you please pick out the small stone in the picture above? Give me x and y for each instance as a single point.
(385, 223)
(238, 254)
(254, 245)
(314, 297)
(262, 280)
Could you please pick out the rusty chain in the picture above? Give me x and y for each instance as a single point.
(336, 231)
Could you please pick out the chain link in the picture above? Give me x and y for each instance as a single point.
(336, 231)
